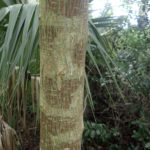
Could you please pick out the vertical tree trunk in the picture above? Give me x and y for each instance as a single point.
(63, 37)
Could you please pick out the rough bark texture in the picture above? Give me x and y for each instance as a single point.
(63, 37)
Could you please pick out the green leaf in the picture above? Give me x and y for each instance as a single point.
(92, 135)
(147, 145)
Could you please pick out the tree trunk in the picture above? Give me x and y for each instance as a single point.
(63, 37)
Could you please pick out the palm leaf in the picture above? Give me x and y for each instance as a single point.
(5, 3)
(19, 41)
(20, 38)
(108, 21)
(99, 41)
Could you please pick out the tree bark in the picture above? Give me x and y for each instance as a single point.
(63, 37)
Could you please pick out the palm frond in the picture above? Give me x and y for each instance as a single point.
(99, 41)
(20, 38)
(18, 41)
(5, 3)
(108, 21)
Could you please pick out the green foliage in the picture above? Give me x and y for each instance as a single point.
(20, 38)
(4, 3)
(142, 132)
(99, 132)
(133, 53)
(147, 145)
(18, 43)
(118, 68)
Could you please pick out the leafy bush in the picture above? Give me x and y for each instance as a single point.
(99, 133)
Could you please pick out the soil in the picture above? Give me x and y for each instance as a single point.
(30, 136)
